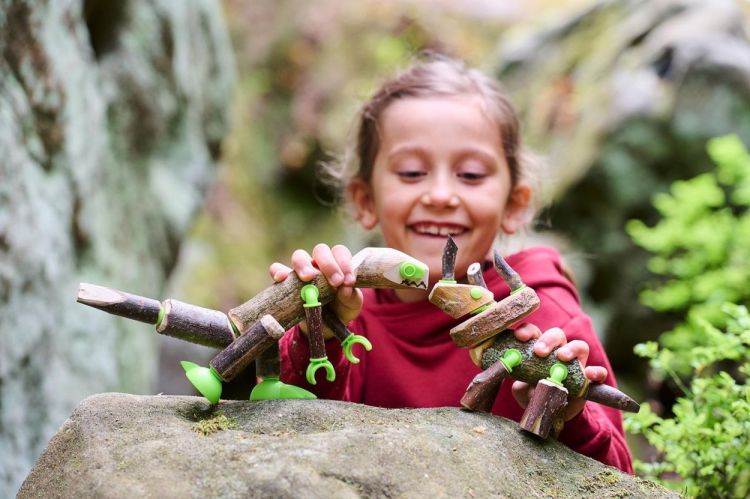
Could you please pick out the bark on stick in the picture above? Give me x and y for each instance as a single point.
(195, 324)
(543, 414)
(236, 357)
(120, 303)
(482, 391)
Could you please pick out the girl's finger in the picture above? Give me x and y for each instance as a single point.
(576, 349)
(597, 374)
(522, 392)
(344, 258)
(347, 308)
(526, 332)
(302, 264)
(328, 265)
(548, 341)
(279, 271)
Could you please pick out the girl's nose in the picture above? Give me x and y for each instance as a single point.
(440, 195)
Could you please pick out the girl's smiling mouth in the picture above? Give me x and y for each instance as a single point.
(437, 229)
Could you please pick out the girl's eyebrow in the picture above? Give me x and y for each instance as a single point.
(469, 151)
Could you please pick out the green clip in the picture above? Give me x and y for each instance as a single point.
(352, 340)
(316, 364)
(273, 389)
(411, 271)
(511, 358)
(520, 288)
(310, 294)
(476, 293)
(558, 373)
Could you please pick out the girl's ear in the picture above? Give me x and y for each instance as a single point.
(517, 209)
(363, 203)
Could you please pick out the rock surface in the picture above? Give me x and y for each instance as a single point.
(111, 119)
(117, 445)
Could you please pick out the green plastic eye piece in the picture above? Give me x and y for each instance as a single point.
(476, 293)
(411, 271)
(310, 294)
(558, 373)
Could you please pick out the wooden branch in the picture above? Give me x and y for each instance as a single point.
(611, 397)
(374, 267)
(511, 278)
(331, 320)
(117, 302)
(543, 414)
(496, 318)
(482, 391)
(268, 363)
(314, 317)
(195, 324)
(474, 275)
(236, 357)
(458, 300)
(534, 368)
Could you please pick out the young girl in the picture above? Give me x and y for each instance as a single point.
(439, 153)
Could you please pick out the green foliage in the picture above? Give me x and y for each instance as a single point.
(701, 249)
(707, 442)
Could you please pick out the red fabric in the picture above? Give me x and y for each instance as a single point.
(414, 363)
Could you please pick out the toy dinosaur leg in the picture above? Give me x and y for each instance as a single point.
(267, 368)
(234, 358)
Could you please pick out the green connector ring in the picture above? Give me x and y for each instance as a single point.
(316, 364)
(511, 358)
(352, 340)
(558, 373)
(310, 294)
(411, 271)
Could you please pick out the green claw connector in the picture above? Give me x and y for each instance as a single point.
(558, 373)
(511, 358)
(350, 341)
(316, 364)
(273, 389)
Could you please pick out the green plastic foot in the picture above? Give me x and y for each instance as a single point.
(273, 389)
(316, 364)
(204, 379)
(352, 340)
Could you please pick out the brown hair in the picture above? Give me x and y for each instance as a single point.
(432, 75)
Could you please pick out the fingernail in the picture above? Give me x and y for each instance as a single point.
(336, 279)
(350, 279)
(564, 352)
(310, 270)
(541, 347)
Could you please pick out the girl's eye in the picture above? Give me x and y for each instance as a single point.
(472, 171)
(471, 176)
(411, 174)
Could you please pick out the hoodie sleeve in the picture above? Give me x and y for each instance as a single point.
(597, 431)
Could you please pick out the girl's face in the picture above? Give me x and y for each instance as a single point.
(440, 170)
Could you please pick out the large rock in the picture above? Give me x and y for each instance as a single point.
(117, 445)
(111, 118)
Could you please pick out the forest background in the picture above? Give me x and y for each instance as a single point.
(618, 97)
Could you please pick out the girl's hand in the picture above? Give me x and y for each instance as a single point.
(545, 344)
(336, 265)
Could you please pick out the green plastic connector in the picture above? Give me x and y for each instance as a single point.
(350, 341)
(558, 373)
(511, 358)
(476, 293)
(316, 364)
(514, 291)
(411, 271)
(205, 379)
(160, 317)
(310, 294)
(482, 308)
(273, 389)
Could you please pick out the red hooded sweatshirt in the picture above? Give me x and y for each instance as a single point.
(414, 362)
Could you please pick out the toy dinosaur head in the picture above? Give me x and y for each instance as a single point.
(389, 268)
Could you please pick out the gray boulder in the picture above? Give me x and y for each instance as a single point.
(111, 120)
(117, 445)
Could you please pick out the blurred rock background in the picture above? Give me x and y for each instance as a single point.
(112, 120)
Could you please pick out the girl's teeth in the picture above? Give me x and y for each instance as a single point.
(444, 231)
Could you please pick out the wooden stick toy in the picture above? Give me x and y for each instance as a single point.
(250, 332)
(495, 349)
